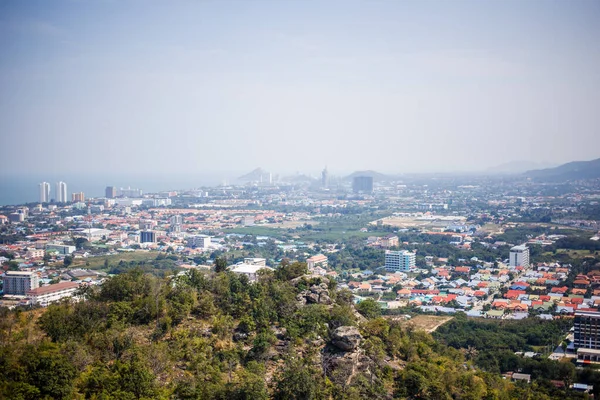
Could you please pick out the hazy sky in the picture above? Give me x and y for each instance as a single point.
(201, 86)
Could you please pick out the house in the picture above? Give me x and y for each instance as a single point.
(45, 295)
(520, 377)
(251, 271)
(319, 260)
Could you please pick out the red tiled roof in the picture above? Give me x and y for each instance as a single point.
(52, 288)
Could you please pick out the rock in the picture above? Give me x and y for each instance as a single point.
(239, 336)
(301, 299)
(316, 289)
(312, 298)
(325, 299)
(346, 338)
(324, 286)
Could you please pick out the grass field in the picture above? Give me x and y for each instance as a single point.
(98, 262)
(428, 323)
(572, 253)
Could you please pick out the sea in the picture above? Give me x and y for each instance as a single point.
(24, 188)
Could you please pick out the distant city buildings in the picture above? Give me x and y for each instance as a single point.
(77, 197)
(110, 192)
(402, 260)
(325, 178)
(20, 282)
(129, 192)
(61, 192)
(519, 256)
(362, 184)
(44, 190)
(389, 241)
(198, 241)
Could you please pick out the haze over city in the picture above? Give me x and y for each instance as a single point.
(210, 87)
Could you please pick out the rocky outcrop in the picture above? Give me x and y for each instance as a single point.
(346, 338)
(316, 294)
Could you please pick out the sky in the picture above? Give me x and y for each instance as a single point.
(203, 87)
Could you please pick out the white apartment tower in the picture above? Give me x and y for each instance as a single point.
(519, 256)
(44, 192)
(402, 260)
(61, 192)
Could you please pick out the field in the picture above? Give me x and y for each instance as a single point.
(419, 222)
(572, 253)
(428, 323)
(98, 262)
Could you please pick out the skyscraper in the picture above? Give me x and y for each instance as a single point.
(402, 260)
(111, 192)
(77, 197)
(362, 184)
(325, 178)
(519, 256)
(61, 192)
(44, 192)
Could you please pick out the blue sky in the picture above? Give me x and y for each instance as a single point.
(200, 86)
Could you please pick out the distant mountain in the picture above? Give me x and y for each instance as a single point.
(569, 171)
(257, 175)
(377, 177)
(518, 167)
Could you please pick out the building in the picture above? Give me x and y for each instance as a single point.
(519, 256)
(317, 261)
(147, 237)
(389, 241)
(402, 260)
(129, 192)
(77, 197)
(44, 192)
(249, 270)
(362, 184)
(16, 217)
(20, 282)
(198, 241)
(60, 248)
(52, 293)
(587, 330)
(110, 192)
(325, 178)
(256, 261)
(61, 192)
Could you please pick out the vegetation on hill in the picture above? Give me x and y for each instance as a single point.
(219, 336)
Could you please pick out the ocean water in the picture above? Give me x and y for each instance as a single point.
(23, 188)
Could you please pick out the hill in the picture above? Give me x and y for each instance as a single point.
(518, 167)
(257, 175)
(377, 176)
(571, 171)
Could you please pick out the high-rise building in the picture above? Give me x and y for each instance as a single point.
(586, 336)
(77, 197)
(325, 178)
(147, 237)
(20, 282)
(519, 256)
(44, 192)
(362, 184)
(110, 192)
(402, 260)
(61, 192)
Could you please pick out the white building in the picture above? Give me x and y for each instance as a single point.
(49, 294)
(402, 260)
(249, 270)
(198, 241)
(44, 192)
(256, 261)
(519, 256)
(20, 282)
(61, 192)
(60, 248)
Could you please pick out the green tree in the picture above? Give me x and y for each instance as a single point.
(369, 308)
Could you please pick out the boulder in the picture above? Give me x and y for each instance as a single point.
(346, 338)
(312, 298)
(325, 299)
